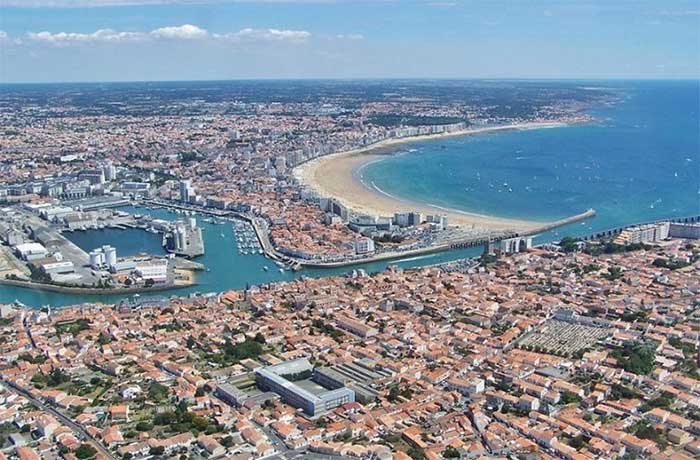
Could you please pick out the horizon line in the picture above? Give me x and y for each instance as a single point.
(348, 79)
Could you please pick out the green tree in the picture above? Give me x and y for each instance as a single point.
(637, 357)
(569, 244)
(416, 453)
(144, 426)
(569, 397)
(158, 392)
(450, 452)
(85, 451)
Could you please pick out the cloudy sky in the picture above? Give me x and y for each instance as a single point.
(113, 40)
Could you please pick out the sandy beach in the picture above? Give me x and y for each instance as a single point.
(336, 176)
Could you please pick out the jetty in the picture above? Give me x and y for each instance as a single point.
(456, 243)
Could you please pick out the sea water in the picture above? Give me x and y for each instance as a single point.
(639, 161)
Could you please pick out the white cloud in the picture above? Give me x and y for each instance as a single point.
(249, 35)
(183, 32)
(350, 37)
(99, 36)
(3, 35)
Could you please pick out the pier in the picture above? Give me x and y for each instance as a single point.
(457, 243)
(587, 214)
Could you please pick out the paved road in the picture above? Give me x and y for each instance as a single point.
(82, 434)
(302, 453)
(28, 330)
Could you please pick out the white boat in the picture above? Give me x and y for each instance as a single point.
(265, 268)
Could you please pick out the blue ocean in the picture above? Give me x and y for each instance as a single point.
(638, 161)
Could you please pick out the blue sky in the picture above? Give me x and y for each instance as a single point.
(111, 40)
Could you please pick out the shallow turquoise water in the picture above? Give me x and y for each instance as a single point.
(640, 161)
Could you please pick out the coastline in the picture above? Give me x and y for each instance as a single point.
(90, 291)
(337, 176)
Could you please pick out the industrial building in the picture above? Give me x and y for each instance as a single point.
(104, 256)
(31, 251)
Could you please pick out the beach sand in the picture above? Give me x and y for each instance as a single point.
(335, 176)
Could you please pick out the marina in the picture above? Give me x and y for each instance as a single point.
(541, 166)
(246, 239)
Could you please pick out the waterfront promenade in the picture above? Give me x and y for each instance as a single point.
(463, 240)
(455, 243)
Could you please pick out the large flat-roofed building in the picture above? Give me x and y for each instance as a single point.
(647, 233)
(230, 394)
(355, 326)
(690, 231)
(291, 380)
(31, 251)
(362, 380)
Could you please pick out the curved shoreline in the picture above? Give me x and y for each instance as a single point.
(338, 176)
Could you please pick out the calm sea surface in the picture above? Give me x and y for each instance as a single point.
(640, 161)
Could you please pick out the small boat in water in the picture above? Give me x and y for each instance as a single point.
(265, 268)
